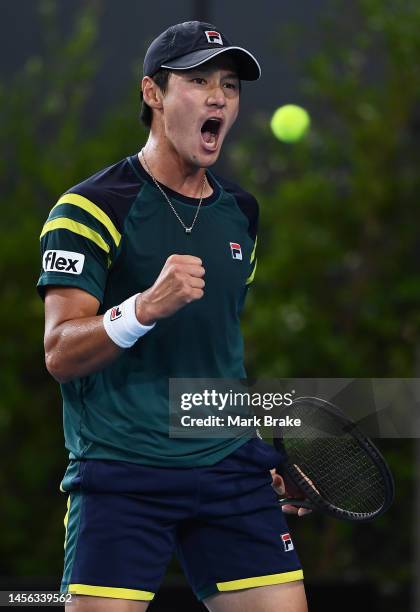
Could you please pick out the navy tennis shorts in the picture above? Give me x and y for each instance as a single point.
(125, 521)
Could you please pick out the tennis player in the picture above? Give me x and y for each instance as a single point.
(145, 268)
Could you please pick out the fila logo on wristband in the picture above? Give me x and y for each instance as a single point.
(214, 37)
(63, 261)
(121, 324)
(287, 542)
(236, 250)
(115, 313)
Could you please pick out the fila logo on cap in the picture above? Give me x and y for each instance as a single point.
(287, 542)
(115, 313)
(63, 261)
(236, 250)
(213, 37)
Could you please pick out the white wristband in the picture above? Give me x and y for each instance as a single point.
(122, 325)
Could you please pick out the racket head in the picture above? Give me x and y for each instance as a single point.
(334, 464)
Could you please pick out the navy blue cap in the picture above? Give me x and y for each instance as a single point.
(192, 43)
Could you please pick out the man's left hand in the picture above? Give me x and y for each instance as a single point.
(286, 488)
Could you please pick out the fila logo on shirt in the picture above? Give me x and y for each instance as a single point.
(213, 37)
(287, 542)
(63, 261)
(236, 250)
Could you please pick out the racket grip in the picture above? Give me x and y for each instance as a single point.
(299, 503)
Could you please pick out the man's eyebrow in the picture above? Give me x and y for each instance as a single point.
(231, 75)
(202, 70)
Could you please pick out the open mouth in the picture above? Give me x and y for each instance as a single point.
(210, 131)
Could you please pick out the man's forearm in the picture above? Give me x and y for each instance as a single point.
(81, 345)
(78, 348)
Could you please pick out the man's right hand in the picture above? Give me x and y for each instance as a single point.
(179, 283)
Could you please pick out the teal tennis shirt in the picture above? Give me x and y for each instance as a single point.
(110, 236)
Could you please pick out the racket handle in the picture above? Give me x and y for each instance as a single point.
(299, 503)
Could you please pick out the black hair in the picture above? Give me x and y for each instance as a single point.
(161, 79)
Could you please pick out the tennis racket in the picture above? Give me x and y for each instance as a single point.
(334, 465)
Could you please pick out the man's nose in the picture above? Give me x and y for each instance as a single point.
(216, 96)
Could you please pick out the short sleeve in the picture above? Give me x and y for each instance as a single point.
(252, 264)
(78, 244)
(248, 204)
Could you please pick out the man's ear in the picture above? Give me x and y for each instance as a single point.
(152, 94)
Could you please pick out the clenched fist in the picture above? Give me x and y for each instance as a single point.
(179, 283)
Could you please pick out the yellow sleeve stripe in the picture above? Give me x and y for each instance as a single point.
(95, 211)
(77, 228)
(251, 276)
(253, 250)
(247, 583)
(117, 593)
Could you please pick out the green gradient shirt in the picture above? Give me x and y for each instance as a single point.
(110, 236)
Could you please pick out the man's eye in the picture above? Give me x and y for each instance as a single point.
(198, 80)
(231, 85)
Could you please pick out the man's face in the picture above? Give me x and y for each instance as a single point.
(199, 108)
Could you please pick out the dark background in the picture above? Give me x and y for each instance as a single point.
(127, 27)
(336, 291)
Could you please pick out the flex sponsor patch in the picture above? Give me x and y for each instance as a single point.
(287, 542)
(63, 261)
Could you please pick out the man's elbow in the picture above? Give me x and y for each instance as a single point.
(56, 367)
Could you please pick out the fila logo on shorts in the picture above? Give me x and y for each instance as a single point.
(213, 37)
(63, 261)
(287, 542)
(236, 250)
(115, 313)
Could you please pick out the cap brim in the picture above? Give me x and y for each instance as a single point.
(248, 67)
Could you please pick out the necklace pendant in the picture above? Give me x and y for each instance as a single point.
(187, 229)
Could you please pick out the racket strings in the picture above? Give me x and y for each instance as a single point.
(326, 452)
(344, 475)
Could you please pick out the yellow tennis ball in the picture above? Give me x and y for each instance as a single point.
(290, 123)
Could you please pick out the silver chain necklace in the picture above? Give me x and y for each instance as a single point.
(187, 229)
